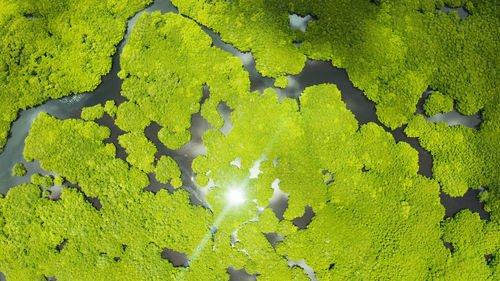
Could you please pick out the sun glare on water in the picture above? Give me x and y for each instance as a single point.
(235, 197)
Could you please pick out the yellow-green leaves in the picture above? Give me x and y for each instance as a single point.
(375, 219)
(376, 195)
(174, 140)
(392, 50)
(45, 181)
(463, 157)
(58, 180)
(258, 26)
(132, 225)
(19, 170)
(110, 108)
(164, 77)
(437, 103)
(141, 151)
(281, 82)
(472, 240)
(131, 118)
(93, 112)
(168, 170)
(52, 49)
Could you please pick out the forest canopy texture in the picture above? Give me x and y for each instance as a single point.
(375, 216)
(51, 49)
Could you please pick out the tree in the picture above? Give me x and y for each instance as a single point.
(19, 170)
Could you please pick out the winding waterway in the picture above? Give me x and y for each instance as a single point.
(314, 73)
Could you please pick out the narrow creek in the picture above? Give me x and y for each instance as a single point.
(314, 73)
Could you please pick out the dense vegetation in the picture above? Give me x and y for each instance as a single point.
(436, 103)
(375, 216)
(392, 50)
(92, 112)
(164, 77)
(19, 170)
(52, 49)
(462, 157)
(58, 180)
(45, 181)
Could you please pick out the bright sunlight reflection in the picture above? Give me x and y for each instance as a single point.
(235, 196)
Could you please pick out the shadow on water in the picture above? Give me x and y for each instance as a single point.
(451, 118)
(240, 275)
(303, 221)
(319, 72)
(314, 73)
(469, 201)
(64, 108)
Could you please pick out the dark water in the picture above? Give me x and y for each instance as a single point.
(314, 73)
(64, 108)
(451, 118)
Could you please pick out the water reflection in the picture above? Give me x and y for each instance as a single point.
(303, 221)
(240, 274)
(462, 13)
(307, 269)
(454, 117)
(13, 150)
(298, 22)
(314, 73)
(67, 107)
(279, 201)
(451, 118)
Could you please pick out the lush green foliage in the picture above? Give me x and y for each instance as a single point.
(93, 112)
(164, 77)
(376, 219)
(472, 239)
(463, 157)
(52, 49)
(47, 181)
(58, 180)
(168, 170)
(141, 151)
(387, 204)
(44, 181)
(46, 193)
(144, 222)
(393, 50)
(281, 82)
(110, 108)
(259, 26)
(19, 170)
(473, 154)
(437, 103)
(36, 179)
(129, 117)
